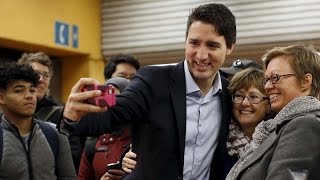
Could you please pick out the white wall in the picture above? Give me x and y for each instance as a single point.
(155, 30)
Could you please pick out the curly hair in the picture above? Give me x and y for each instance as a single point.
(11, 72)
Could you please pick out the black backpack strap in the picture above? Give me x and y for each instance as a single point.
(48, 113)
(52, 138)
(90, 148)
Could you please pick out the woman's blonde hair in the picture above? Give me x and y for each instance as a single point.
(303, 59)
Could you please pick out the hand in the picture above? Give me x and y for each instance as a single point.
(75, 109)
(129, 162)
(113, 174)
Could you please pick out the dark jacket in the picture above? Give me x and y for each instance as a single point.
(287, 150)
(47, 101)
(48, 110)
(314, 173)
(155, 104)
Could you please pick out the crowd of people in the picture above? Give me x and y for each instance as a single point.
(30, 148)
(101, 150)
(192, 120)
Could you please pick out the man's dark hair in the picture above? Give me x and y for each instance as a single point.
(11, 72)
(110, 68)
(219, 16)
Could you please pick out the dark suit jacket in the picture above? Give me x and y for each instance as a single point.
(315, 169)
(155, 105)
(287, 150)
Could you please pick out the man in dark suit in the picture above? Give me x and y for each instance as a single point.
(179, 114)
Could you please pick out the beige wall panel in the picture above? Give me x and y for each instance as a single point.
(155, 30)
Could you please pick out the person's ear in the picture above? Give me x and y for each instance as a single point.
(2, 101)
(229, 50)
(269, 109)
(306, 82)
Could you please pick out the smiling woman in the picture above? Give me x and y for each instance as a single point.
(250, 107)
(250, 102)
(284, 147)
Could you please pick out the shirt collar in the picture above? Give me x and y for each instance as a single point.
(191, 85)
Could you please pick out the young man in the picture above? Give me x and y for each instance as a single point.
(180, 114)
(27, 148)
(47, 109)
(121, 65)
(42, 64)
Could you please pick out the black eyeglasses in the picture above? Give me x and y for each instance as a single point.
(44, 75)
(275, 78)
(253, 99)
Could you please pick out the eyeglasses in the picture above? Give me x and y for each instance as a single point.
(275, 78)
(43, 75)
(253, 99)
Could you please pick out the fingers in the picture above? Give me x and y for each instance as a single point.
(128, 162)
(114, 174)
(77, 95)
(104, 177)
(131, 155)
(125, 169)
(81, 96)
(75, 108)
(81, 83)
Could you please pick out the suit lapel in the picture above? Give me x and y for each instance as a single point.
(178, 96)
(226, 112)
(220, 154)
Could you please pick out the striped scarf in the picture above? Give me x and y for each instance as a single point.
(299, 105)
(237, 140)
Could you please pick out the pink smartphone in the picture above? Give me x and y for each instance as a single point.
(107, 98)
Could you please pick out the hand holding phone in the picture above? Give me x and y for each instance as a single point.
(115, 165)
(107, 98)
